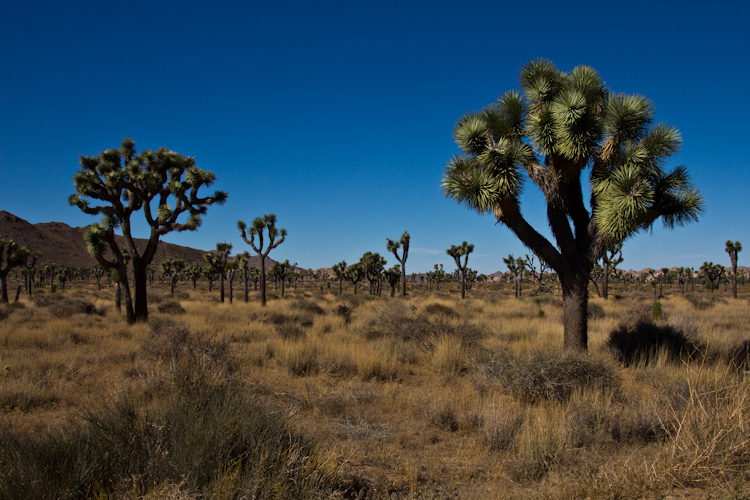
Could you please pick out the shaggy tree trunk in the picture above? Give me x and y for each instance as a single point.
(575, 311)
(605, 280)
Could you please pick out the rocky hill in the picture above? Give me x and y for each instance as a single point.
(63, 245)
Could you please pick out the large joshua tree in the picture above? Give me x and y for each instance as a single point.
(267, 222)
(125, 182)
(393, 247)
(462, 250)
(559, 127)
(733, 249)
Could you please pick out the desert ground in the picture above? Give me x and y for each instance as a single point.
(321, 395)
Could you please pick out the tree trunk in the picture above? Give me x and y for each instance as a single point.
(605, 279)
(403, 280)
(262, 280)
(463, 284)
(3, 289)
(140, 280)
(244, 274)
(734, 278)
(221, 288)
(575, 312)
(118, 298)
(18, 293)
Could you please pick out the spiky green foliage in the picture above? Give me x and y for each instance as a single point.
(393, 276)
(217, 260)
(372, 265)
(393, 247)
(281, 271)
(162, 183)
(557, 127)
(267, 223)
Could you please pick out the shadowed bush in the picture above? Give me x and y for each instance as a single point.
(643, 342)
(437, 309)
(702, 302)
(740, 356)
(171, 341)
(308, 306)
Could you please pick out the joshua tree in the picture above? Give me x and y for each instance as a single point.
(354, 274)
(210, 274)
(230, 269)
(172, 269)
(393, 276)
(393, 247)
(267, 222)
(281, 270)
(559, 127)
(339, 269)
(531, 265)
(29, 263)
(217, 260)
(464, 249)
(11, 255)
(611, 258)
(243, 261)
(372, 264)
(712, 273)
(126, 183)
(193, 272)
(516, 267)
(733, 249)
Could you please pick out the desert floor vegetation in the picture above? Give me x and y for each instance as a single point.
(318, 395)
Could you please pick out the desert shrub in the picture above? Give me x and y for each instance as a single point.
(501, 429)
(308, 306)
(344, 311)
(68, 307)
(437, 309)
(205, 436)
(47, 300)
(702, 302)
(5, 311)
(170, 307)
(356, 300)
(545, 298)
(171, 341)
(181, 295)
(656, 311)
(271, 296)
(394, 319)
(445, 418)
(595, 311)
(300, 359)
(643, 342)
(546, 375)
(289, 331)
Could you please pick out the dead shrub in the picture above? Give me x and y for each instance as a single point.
(394, 319)
(5, 311)
(740, 356)
(544, 375)
(172, 341)
(344, 311)
(701, 302)
(437, 309)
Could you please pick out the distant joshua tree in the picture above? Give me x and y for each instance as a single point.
(339, 269)
(281, 270)
(172, 269)
(372, 265)
(393, 276)
(193, 272)
(354, 274)
(243, 262)
(516, 267)
(11, 255)
(463, 250)
(126, 183)
(29, 265)
(393, 247)
(733, 249)
(267, 222)
(712, 273)
(218, 259)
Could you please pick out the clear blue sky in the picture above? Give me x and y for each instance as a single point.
(337, 116)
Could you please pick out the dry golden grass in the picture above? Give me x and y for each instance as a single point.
(405, 396)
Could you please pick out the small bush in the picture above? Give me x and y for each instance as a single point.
(437, 309)
(740, 356)
(171, 341)
(595, 311)
(68, 307)
(290, 331)
(344, 311)
(170, 307)
(308, 306)
(656, 312)
(701, 302)
(394, 319)
(500, 430)
(5, 311)
(445, 418)
(643, 342)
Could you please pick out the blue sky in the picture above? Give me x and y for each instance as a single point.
(337, 116)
